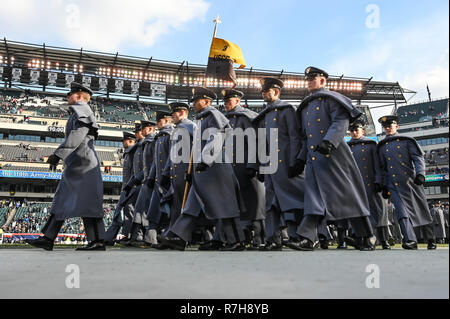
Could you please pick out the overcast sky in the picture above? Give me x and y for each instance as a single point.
(402, 40)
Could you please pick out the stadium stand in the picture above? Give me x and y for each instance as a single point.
(109, 111)
(424, 111)
(30, 218)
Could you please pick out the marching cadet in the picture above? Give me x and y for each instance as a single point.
(157, 217)
(215, 189)
(176, 169)
(246, 168)
(335, 187)
(132, 186)
(122, 217)
(403, 168)
(80, 190)
(439, 222)
(284, 189)
(364, 151)
(140, 221)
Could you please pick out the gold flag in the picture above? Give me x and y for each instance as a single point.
(223, 49)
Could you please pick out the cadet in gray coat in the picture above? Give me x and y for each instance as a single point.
(403, 168)
(335, 188)
(245, 167)
(174, 172)
(364, 151)
(80, 190)
(439, 222)
(140, 221)
(132, 187)
(285, 188)
(122, 217)
(157, 217)
(215, 189)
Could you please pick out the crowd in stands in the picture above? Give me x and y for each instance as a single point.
(424, 111)
(30, 217)
(437, 157)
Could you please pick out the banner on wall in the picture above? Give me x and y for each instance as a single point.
(87, 81)
(158, 90)
(16, 74)
(34, 77)
(102, 84)
(119, 86)
(52, 77)
(69, 79)
(135, 88)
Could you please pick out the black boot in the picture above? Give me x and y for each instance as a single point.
(41, 242)
(323, 242)
(410, 245)
(341, 234)
(98, 245)
(385, 245)
(431, 244)
(353, 241)
(271, 247)
(174, 242)
(366, 244)
(212, 245)
(233, 247)
(303, 245)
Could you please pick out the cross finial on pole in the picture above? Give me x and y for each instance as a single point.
(217, 21)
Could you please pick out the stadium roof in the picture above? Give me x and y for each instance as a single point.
(158, 80)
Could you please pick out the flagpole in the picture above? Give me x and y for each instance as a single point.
(217, 21)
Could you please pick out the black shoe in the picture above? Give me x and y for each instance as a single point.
(431, 245)
(342, 246)
(271, 247)
(366, 244)
(350, 241)
(254, 247)
(385, 245)
(213, 245)
(410, 245)
(175, 243)
(303, 245)
(233, 247)
(323, 244)
(41, 242)
(392, 241)
(93, 246)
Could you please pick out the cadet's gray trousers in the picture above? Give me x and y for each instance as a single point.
(310, 224)
(94, 228)
(185, 225)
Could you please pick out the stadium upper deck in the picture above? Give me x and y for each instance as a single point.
(44, 67)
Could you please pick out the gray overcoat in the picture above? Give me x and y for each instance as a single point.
(335, 187)
(364, 151)
(252, 189)
(401, 159)
(80, 190)
(287, 194)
